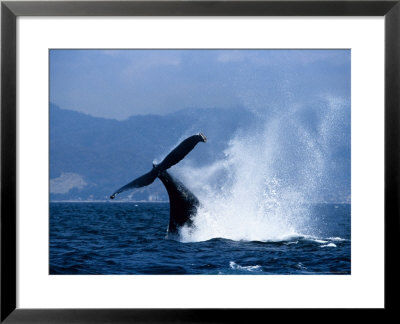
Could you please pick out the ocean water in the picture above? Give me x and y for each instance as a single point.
(130, 238)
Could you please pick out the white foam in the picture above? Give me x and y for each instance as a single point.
(329, 245)
(290, 243)
(320, 241)
(301, 266)
(235, 266)
(336, 239)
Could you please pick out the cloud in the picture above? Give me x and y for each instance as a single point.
(65, 182)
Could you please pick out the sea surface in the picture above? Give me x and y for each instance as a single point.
(130, 238)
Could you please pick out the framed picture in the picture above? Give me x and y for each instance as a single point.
(168, 161)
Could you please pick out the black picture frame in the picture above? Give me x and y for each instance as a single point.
(10, 10)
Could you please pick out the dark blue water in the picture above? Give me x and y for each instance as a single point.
(129, 238)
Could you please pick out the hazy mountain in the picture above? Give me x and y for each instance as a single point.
(91, 157)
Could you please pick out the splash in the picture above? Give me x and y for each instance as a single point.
(262, 189)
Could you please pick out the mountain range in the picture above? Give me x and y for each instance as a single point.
(91, 157)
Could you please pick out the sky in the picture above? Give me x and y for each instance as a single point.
(117, 84)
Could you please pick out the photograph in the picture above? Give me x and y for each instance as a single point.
(199, 161)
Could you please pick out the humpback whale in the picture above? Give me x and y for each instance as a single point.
(183, 203)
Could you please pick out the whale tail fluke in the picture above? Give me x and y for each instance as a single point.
(179, 152)
(142, 181)
(176, 155)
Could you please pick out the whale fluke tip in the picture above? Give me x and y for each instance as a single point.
(203, 137)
